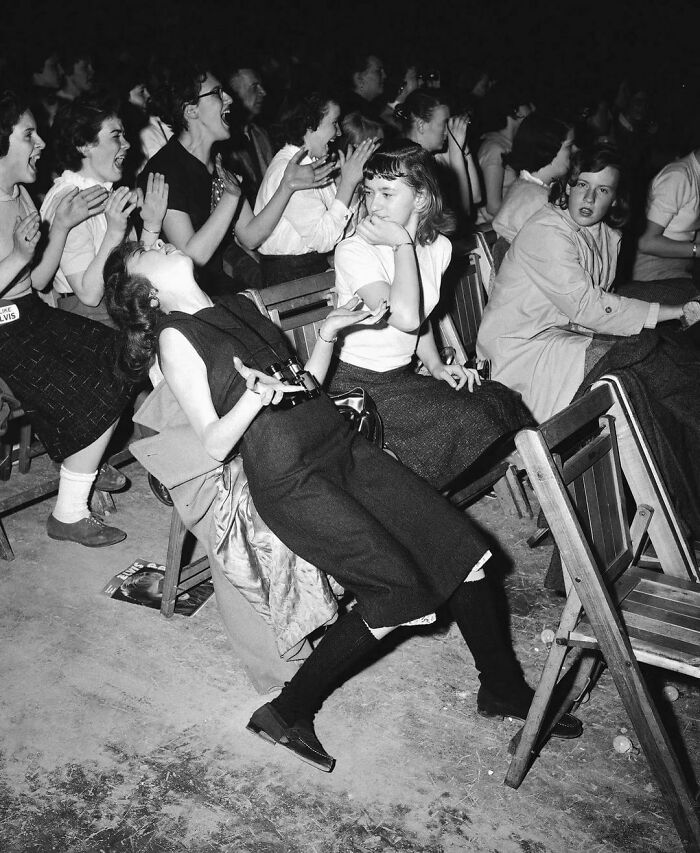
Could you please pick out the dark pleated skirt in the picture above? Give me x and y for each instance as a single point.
(436, 431)
(60, 366)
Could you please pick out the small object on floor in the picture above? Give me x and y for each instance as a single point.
(90, 531)
(671, 693)
(159, 490)
(488, 705)
(547, 636)
(299, 738)
(622, 744)
(142, 584)
(109, 479)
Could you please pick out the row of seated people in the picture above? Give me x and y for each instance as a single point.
(398, 255)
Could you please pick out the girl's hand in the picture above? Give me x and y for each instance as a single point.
(26, 236)
(269, 389)
(350, 314)
(382, 232)
(457, 376)
(457, 128)
(122, 203)
(691, 313)
(75, 207)
(154, 205)
(229, 181)
(310, 175)
(352, 163)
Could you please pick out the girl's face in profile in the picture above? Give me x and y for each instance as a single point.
(593, 195)
(433, 134)
(392, 200)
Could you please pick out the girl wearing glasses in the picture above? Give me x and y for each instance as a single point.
(205, 205)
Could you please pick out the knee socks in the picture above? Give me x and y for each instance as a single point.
(73, 492)
(473, 609)
(344, 644)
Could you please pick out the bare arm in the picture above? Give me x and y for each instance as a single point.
(653, 242)
(493, 185)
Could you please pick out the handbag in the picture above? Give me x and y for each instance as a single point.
(360, 411)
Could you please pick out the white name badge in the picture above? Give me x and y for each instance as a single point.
(8, 313)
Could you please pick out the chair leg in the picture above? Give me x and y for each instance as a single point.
(25, 448)
(520, 499)
(173, 565)
(530, 734)
(102, 502)
(6, 551)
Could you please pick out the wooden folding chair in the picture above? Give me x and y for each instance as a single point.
(631, 614)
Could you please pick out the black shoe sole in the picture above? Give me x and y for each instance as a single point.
(85, 544)
(277, 735)
(562, 730)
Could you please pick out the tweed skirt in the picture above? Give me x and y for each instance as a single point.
(436, 431)
(61, 368)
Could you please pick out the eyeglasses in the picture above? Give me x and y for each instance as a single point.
(217, 90)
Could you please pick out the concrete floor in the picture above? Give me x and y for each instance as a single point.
(122, 731)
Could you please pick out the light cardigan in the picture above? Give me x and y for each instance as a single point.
(313, 221)
(85, 239)
(549, 297)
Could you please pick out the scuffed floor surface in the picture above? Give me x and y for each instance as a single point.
(125, 732)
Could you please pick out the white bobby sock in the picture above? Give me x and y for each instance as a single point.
(73, 492)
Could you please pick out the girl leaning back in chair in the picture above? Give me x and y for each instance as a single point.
(330, 495)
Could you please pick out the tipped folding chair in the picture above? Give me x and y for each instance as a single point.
(632, 615)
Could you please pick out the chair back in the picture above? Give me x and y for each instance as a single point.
(462, 300)
(298, 308)
(574, 467)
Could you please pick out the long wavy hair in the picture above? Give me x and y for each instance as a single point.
(130, 304)
(416, 166)
(595, 159)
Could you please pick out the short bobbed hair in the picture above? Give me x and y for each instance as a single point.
(536, 143)
(420, 104)
(595, 159)
(304, 114)
(185, 81)
(12, 107)
(411, 163)
(77, 124)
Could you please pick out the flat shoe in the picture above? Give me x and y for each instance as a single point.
(109, 479)
(488, 705)
(90, 531)
(299, 738)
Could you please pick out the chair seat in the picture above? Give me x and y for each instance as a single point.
(662, 616)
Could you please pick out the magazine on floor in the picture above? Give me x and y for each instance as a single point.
(142, 583)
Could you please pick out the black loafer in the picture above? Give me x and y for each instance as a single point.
(299, 738)
(109, 479)
(488, 705)
(90, 531)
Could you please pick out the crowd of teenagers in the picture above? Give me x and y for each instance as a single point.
(137, 203)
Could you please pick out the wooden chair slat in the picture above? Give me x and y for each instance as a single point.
(668, 605)
(592, 405)
(661, 621)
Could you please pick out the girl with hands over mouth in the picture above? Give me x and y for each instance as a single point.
(398, 255)
(316, 219)
(91, 148)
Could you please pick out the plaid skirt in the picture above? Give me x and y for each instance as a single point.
(434, 430)
(61, 368)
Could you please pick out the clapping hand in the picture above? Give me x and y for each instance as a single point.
(121, 204)
(309, 175)
(154, 204)
(269, 389)
(26, 236)
(352, 163)
(76, 206)
(229, 182)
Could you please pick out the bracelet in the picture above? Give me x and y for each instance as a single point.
(695, 250)
(325, 340)
(148, 231)
(398, 245)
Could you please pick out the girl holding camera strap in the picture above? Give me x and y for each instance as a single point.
(440, 424)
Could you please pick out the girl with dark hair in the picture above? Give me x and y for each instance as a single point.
(91, 148)
(58, 365)
(399, 254)
(504, 112)
(541, 155)
(424, 118)
(316, 219)
(334, 498)
(551, 297)
(206, 208)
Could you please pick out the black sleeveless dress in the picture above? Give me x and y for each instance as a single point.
(332, 497)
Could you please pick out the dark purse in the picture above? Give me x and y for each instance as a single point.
(360, 411)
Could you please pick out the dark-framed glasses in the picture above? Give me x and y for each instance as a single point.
(217, 90)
